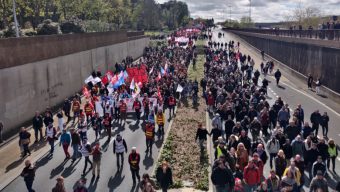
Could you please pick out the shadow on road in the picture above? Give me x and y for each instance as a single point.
(115, 181)
(70, 169)
(56, 171)
(134, 127)
(93, 184)
(14, 164)
(148, 161)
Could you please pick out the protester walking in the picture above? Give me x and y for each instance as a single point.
(59, 187)
(37, 126)
(24, 141)
(310, 81)
(1, 130)
(333, 153)
(134, 159)
(164, 176)
(28, 173)
(86, 151)
(119, 146)
(51, 136)
(149, 136)
(65, 141)
(222, 177)
(76, 142)
(96, 159)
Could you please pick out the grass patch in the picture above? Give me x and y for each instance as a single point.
(197, 73)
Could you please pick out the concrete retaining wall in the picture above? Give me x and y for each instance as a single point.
(33, 86)
(305, 58)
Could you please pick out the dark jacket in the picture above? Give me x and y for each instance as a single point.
(48, 120)
(164, 179)
(75, 138)
(221, 177)
(28, 173)
(201, 134)
(37, 122)
(315, 118)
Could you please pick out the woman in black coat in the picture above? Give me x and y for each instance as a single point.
(164, 176)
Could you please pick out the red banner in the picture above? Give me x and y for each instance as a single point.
(139, 74)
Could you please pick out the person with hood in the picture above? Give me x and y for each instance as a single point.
(222, 177)
(216, 122)
(298, 146)
(164, 176)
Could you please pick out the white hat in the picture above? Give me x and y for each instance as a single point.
(133, 148)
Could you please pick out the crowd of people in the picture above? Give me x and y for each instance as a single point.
(167, 69)
(237, 103)
(280, 135)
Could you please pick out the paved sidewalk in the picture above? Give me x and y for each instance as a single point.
(11, 164)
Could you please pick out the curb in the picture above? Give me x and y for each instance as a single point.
(165, 139)
(207, 124)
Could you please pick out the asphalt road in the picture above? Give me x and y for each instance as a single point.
(293, 92)
(110, 180)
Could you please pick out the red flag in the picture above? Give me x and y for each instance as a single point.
(105, 80)
(159, 94)
(158, 77)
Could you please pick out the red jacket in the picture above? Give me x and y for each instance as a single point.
(251, 175)
(137, 105)
(211, 100)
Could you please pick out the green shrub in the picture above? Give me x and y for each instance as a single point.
(29, 32)
(47, 27)
(73, 25)
(10, 31)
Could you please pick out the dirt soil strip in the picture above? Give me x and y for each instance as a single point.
(180, 149)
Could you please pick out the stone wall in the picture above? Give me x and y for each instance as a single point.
(33, 86)
(301, 55)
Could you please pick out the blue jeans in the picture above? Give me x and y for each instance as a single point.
(75, 151)
(82, 135)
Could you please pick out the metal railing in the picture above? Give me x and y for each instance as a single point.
(328, 34)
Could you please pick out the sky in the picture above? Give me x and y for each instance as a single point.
(262, 10)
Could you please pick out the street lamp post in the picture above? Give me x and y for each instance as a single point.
(249, 11)
(15, 20)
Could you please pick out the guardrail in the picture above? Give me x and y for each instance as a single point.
(328, 34)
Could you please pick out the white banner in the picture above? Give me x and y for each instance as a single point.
(129, 103)
(179, 88)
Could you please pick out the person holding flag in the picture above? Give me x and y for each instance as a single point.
(137, 106)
